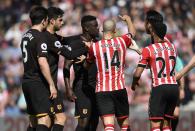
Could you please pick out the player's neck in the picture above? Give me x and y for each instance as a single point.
(86, 37)
(37, 27)
(50, 29)
(108, 35)
(157, 39)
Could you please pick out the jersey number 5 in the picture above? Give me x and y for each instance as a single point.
(115, 59)
(160, 73)
(25, 51)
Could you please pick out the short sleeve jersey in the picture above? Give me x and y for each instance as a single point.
(109, 56)
(161, 59)
(75, 43)
(33, 46)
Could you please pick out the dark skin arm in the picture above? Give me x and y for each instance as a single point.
(69, 92)
(136, 77)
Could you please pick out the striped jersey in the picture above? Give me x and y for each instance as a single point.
(109, 56)
(161, 59)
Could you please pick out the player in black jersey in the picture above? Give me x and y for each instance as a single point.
(85, 80)
(37, 85)
(55, 49)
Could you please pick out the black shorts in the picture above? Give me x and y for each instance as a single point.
(113, 103)
(163, 100)
(85, 104)
(37, 99)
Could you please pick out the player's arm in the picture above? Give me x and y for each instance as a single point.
(186, 69)
(136, 77)
(131, 44)
(179, 66)
(131, 28)
(64, 50)
(69, 93)
(45, 69)
(140, 68)
(70, 55)
(135, 47)
(90, 58)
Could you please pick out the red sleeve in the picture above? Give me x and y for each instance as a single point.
(127, 39)
(144, 58)
(90, 57)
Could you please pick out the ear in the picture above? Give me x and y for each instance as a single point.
(52, 21)
(43, 22)
(150, 28)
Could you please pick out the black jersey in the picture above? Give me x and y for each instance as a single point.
(33, 45)
(55, 48)
(87, 75)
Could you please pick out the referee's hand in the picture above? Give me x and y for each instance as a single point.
(53, 91)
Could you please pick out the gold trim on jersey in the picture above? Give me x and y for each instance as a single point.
(39, 115)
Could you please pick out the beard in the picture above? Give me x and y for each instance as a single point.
(56, 28)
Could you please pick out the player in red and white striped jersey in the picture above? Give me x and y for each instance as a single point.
(160, 57)
(109, 55)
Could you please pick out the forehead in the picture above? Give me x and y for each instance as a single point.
(92, 23)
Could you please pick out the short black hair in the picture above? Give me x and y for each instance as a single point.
(54, 13)
(154, 16)
(87, 18)
(37, 14)
(156, 20)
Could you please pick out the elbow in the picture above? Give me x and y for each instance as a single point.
(133, 33)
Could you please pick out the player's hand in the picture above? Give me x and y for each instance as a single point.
(125, 17)
(70, 95)
(80, 59)
(53, 91)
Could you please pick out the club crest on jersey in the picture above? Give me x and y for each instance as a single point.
(51, 109)
(44, 47)
(58, 44)
(85, 111)
(59, 107)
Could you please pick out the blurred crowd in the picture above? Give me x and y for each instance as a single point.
(179, 17)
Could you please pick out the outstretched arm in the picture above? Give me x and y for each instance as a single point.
(186, 69)
(132, 31)
(131, 28)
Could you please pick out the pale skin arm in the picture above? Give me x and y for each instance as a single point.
(130, 25)
(44, 66)
(132, 30)
(186, 69)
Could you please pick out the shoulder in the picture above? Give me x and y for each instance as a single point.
(72, 40)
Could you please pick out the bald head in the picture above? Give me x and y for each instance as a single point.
(109, 25)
